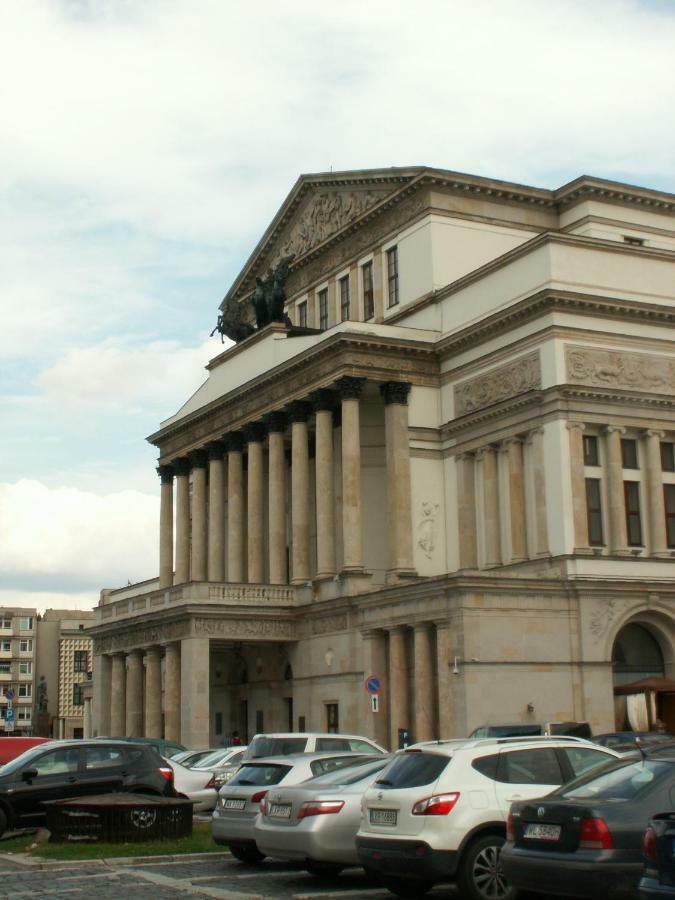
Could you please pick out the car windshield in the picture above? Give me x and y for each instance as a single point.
(24, 760)
(624, 781)
(352, 774)
(213, 758)
(276, 746)
(412, 769)
(259, 775)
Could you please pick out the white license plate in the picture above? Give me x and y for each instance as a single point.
(539, 832)
(383, 816)
(230, 803)
(280, 810)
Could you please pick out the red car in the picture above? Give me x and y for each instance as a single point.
(11, 747)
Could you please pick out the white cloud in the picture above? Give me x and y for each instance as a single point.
(42, 600)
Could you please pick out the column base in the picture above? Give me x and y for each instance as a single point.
(395, 576)
(662, 554)
(585, 551)
(354, 581)
(622, 551)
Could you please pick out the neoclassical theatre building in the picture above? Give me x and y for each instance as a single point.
(447, 461)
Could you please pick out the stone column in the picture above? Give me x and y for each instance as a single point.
(216, 553)
(118, 693)
(513, 447)
(466, 510)
(399, 503)
(423, 683)
(182, 469)
(618, 539)
(579, 512)
(172, 692)
(102, 672)
(194, 692)
(153, 693)
(87, 727)
(324, 404)
(398, 685)
(166, 526)
(134, 704)
(444, 680)
(374, 663)
(535, 443)
(350, 390)
(656, 509)
(199, 523)
(235, 507)
(276, 426)
(298, 413)
(254, 434)
(491, 528)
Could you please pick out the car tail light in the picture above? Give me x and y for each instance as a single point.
(264, 806)
(436, 805)
(510, 830)
(320, 808)
(211, 783)
(649, 845)
(256, 798)
(166, 772)
(595, 835)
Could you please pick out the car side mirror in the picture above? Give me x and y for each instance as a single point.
(29, 774)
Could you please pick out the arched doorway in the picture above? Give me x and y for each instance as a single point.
(637, 658)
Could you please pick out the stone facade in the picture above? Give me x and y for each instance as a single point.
(459, 477)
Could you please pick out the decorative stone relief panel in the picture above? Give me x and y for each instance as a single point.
(614, 368)
(506, 381)
(603, 614)
(142, 636)
(329, 623)
(324, 215)
(242, 629)
(427, 527)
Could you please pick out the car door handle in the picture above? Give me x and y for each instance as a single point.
(514, 797)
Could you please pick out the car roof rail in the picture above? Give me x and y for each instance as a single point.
(521, 739)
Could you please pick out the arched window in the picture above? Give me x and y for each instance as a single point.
(636, 655)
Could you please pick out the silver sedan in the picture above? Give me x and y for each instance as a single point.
(316, 822)
(239, 800)
(198, 786)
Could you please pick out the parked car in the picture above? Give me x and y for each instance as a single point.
(239, 800)
(64, 769)
(316, 821)
(624, 741)
(658, 877)
(163, 747)
(438, 814)
(190, 758)
(286, 743)
(223, 763)
(590, 832)
(11, 747)
(534, 729)
(197, 785)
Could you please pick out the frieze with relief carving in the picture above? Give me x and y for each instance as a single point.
(500, 384)
(239, 629)
(614, 368)
(603, 614)
(142, 636)
(329, 623)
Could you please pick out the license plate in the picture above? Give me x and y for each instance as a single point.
(539, 832)
(383, 816)
(280, 810)
(230, 803)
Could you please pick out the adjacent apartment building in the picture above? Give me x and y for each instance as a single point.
(18, 630)
(447, 461)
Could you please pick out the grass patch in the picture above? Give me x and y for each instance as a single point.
(199, 842)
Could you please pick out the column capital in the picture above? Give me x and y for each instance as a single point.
(482, 452)
(234, 441)
(197, 459)
(575, 426)
(422, 626)
(350, 387)
(465, 455)
(275, 422)
(254, 432)
(653, 432)
(299, 411)
(215, 449)
(610, 429)
(181, 466)
(323, 400)
(395, 392)
(166, 474)
(513, 441)
(154, 650)
(533, 433)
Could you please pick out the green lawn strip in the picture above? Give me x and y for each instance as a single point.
(199, 842)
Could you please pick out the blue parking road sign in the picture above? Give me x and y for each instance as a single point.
(373, 684)
(9, 715)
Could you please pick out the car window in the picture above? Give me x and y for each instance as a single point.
(135, 756)
(583, 759)
(58, 762)
(327, 744)
(534, 766)
(271, 746)
(259, 774)
(319, 766)
(487, 765)
(626, 781)
(103, 757)
(412, 770)
(361, 746)
(351, 774)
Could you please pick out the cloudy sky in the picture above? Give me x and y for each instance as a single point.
(145, 145)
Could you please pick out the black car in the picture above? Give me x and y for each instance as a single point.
(63, 769)
(658, 879)
(585, 838)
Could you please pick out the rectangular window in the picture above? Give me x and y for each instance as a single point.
(668, 456)
(631, 492)
(25, 668)
(591, 457)
(26, 623)
(323, 309)
(302, 314)
(669, 498)
(594, 512)
(392, 276)
(6, 646)
(26, 645)
(219, 723)
(5, 668)
(344, 298)
(259, 720)
(80, 661)
(634, 241)
(78, 696)
(6, 624)
(24, 714)
(26, 691)
(629, 457)
(368, 292)
(332, 718)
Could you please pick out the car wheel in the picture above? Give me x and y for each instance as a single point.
(3, 822)
(323, 870)
(406, 887)
(250, 855)
(481, 876)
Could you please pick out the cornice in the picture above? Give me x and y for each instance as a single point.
(614, 192)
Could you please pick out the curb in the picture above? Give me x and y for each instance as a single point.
(128, 861)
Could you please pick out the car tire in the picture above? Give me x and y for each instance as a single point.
(323, 870)
(406, 887)
(250, 855)
(3, 822)
(480, 873)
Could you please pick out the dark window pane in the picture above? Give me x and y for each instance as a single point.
(392, 275)
(591, 451)
(536, 766)
(668, 456)
(583, 759)
(631, 490)
(344, 298)
(412, 770)
(302, 315)
(594, 512)
(629, 457)
(487, 765)
(325, 745)
(254, 774)
(323, 309)
(332, 718)
(669, 500)
(368, 293)
(80, 661)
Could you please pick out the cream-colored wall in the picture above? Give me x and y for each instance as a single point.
(632, 217)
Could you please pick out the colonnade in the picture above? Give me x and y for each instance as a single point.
(213, 546)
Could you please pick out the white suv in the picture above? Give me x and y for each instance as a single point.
(284, 743)
(437, 812)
